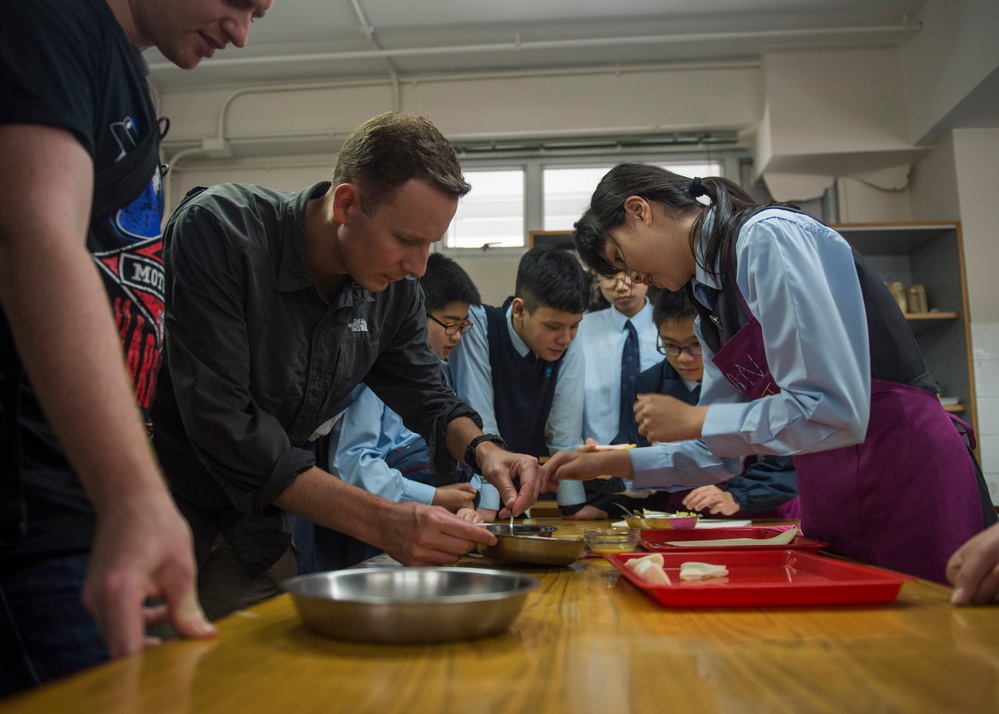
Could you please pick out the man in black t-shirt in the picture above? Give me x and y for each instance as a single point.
(81, 328)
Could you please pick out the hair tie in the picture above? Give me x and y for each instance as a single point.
(696, 189)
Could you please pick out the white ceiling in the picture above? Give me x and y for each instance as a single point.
(323, 40)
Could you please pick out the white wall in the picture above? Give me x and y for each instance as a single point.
(976, 156)
(954, 52)
(957, 181)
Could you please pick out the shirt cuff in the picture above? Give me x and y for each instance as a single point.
(489, 497)
(417, 492)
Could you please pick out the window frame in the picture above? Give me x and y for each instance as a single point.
(533, 166)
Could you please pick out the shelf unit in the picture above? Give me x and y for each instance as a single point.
(931, 254)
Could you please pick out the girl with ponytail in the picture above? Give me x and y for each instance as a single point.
(806, 354)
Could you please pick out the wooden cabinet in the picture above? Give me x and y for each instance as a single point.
(930, 254)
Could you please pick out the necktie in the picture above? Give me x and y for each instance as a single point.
(695, 394)
(629, 373)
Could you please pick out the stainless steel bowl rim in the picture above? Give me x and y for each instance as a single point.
(524, 584)
(547, 539)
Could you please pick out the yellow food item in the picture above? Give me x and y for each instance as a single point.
(602, 548)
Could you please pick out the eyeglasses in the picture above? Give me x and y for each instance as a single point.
(675, 350)
(453, 328)
(611, 282)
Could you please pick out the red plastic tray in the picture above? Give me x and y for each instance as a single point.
(656, 540)
(768, 578)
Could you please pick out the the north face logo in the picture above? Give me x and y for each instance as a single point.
(359, 325)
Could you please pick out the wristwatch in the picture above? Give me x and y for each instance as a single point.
(470, 449)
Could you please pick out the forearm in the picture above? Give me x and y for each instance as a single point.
(411, 533)
(687, 464)
(460, 432)
(328, 501)
(62, 324)
(72, 355)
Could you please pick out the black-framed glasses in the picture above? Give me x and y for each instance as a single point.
(612, 281)
(453, 328)
(675, 350)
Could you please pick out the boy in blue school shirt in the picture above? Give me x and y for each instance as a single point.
(610, 339)
(370, 447)
(519, 367)
(603, 338)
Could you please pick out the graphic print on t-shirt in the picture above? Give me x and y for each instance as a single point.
(128, 249)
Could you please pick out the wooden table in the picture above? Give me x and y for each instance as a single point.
(586, 641)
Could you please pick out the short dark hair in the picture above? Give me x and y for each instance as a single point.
(446, 282)
(552, 277)
(672, 305)
(678, 195)
(388, 150)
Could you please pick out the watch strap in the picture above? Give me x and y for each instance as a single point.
(470, 459)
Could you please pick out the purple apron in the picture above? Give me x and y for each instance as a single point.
(905, 498)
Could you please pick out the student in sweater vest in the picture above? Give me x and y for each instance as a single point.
(518, 366)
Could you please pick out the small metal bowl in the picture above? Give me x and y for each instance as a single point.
(409, 605)
(519, 529)
(679, 523)
(534, 550)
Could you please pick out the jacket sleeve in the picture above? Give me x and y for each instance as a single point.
(245, 448)
(766, 484)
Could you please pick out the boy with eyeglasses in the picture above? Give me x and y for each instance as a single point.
(370, 447)
(768, 487)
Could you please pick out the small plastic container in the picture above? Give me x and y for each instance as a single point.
(611, 540)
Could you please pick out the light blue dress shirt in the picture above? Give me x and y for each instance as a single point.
(473, 383)
(601, 338)
(799, 281)
(364, 435)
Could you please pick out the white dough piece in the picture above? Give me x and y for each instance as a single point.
(651, 572)
(701, 571)
(656, 558)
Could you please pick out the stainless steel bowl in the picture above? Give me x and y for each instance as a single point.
(534, 550)
(519, 529)
(405, 605)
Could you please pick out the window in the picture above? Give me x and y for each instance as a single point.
(567, 191)
(492, 214)
(511, 197)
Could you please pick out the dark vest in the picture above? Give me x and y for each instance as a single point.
(894, 354)
(523, 388)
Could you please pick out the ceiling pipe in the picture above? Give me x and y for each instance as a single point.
(369, 32)
(519, 45)
(220, 138)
